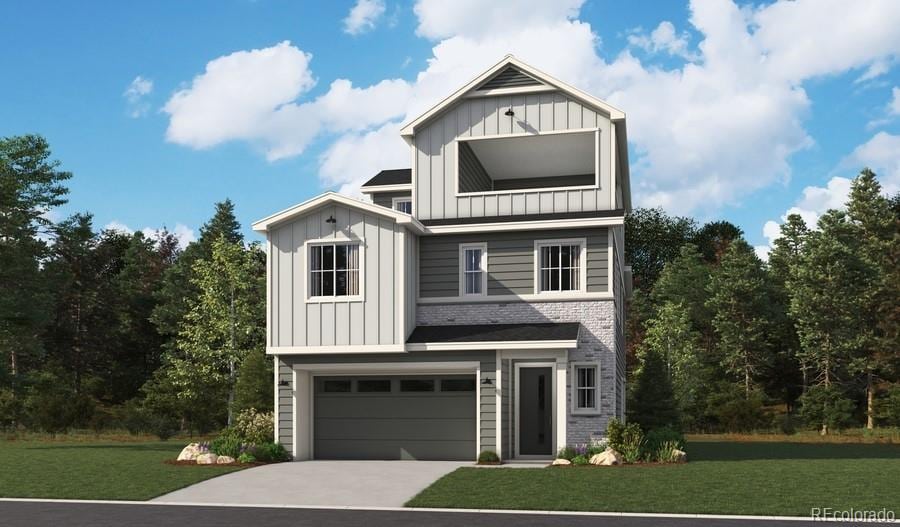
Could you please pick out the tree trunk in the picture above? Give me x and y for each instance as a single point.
(870, 402)
(230, 392)
(747, 378)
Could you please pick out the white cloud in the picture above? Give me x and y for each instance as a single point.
(135, 95)
(183, 233)
(705, 133)
(894, 105)
(881, 153)
(664, 39)
(363, 16)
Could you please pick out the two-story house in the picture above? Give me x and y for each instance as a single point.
(477, 303)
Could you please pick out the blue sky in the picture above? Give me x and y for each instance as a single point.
(737, 112)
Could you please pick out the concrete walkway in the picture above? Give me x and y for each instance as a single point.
(319, 483)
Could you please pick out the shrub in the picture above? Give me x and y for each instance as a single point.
(579, 460)
(254, 386)
(255, 427)
(826, 405)
(270, 452)
(737, 413)
(246, 457)
(488, 456)
(227, 444)
(51, 410)
(888, 406)
(665, 452)
(627, 440)
(163, 426)
(657, 439)
(10, 408)
(134, 417)
(566, 452)
(786, 424)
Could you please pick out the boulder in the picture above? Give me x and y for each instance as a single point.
(189, 453)
(221, 460)
(606, 458)
(561, 461)
(207, 459)
(679, 456)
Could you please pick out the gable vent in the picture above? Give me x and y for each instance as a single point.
(509, 78)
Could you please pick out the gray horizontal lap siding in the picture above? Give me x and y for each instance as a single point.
(435, 156)
(285, 404)
(386, 199)
(510, 261)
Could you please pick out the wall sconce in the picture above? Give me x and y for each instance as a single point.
(331, 220)
(487, 381)
(509, 113)
(284, 383)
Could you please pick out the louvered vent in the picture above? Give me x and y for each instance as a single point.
(509, 78)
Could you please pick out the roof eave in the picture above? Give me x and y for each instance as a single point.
(266, 224)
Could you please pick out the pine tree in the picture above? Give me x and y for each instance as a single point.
(652, 403)
(739, 299)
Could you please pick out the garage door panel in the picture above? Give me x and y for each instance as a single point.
(367, 405)
(396, 429)
(406, 449)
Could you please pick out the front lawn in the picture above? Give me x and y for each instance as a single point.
(95, 470)
(721, 478)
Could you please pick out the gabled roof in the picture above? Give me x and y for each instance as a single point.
(393, 176)
(520, 69)
(401, 218)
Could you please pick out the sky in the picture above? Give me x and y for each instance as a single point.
(737, 111)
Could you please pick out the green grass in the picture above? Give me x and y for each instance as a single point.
(762, 478)
(95, 470)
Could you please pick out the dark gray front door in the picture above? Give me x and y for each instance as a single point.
(535, 412)
(395, 417)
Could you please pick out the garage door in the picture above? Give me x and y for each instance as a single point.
(394, 417)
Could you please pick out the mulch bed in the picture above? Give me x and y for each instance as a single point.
(186, 463)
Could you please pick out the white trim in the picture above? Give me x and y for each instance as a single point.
(269, 222)
(478, 411)
(455, 173)
(275, 409)
(524, 225)
(582, 262)
(270, 274)
(386, 188)
(574, 388)
(307, 278)
(400, 277)
(493, 345)
(462, 268)
(561, 416)
(393, 368)
(398, 199)
(610, 239)
(553, 408)
(604, 107)
(612, 166)
(498, 403)
(562, 296)
(336, 350)
(510, 91)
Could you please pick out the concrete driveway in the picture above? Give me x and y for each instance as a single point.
(319, 483)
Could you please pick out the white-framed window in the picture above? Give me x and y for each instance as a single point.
(334, 271)
(585, 388)
(402, 204)
(560, 266)
(472, 269)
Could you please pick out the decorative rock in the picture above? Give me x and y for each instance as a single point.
(606, 458)
(679, 456)
(189, 453)
(561, 461)
(221, 460)
(207, 459)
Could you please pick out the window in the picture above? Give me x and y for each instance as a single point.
(585, 387)
(373, 385)
(334, 270)
(336, 386)
(403, 205)
(560, 266)
(457, 385)
(417, 385)
(473, 269)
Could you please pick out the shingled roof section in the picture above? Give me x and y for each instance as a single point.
(393, 176)
(494, 333)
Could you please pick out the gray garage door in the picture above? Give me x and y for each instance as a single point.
(395, 417)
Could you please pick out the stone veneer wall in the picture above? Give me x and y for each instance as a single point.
(596, 343)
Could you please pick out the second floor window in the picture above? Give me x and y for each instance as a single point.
(403, 205)
(559, 267)
(334, 270)
(473, 267)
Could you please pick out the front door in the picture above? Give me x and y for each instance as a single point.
(535, 411)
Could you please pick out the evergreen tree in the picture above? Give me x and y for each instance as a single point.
(714, 238)
(685, 280)
(254, 387)
(652, 403)
(739, 300)
(31, 184)
(653, 238)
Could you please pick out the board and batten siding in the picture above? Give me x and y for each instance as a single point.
(370, 321)
(435, 156)
(386, 199)
(510, 264)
